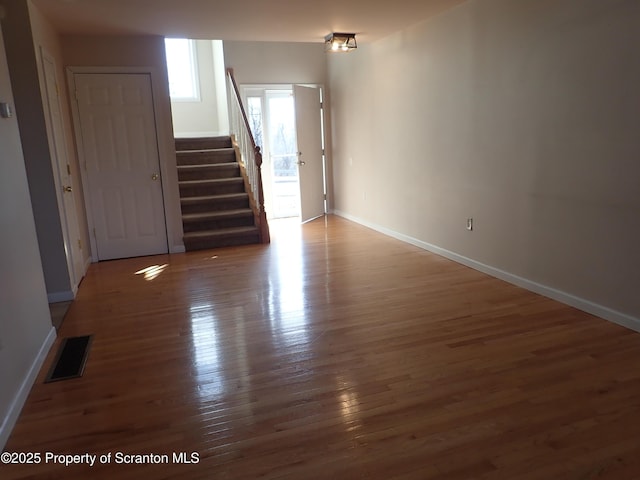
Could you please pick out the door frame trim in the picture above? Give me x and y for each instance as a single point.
(163, 155)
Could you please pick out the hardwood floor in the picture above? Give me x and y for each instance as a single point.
(334, 353)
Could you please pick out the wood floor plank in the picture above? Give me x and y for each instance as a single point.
(333, 353)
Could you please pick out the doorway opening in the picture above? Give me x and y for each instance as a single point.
(274, 120)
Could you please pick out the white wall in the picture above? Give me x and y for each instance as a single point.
(25, 325)
(21, 56)
(276, 62)
(522, 115)
(207, 116)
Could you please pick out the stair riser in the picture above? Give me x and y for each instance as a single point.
(218, 189)
(202, 158)
(216, 206)
(202, 143)
(219, 223)
(192, 245)
(229, 171)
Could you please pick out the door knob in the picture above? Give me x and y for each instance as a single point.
(154, 176)
(300, 162)
(67, 189)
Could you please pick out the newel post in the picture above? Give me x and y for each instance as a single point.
(265, 237)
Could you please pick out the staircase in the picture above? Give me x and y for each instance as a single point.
(216, 211)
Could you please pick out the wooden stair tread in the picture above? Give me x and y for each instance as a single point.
(195, 143)
(209, 156)
(195, 217)
(204, 166)
(206, 150)
(202, 139)
(209, 181)
(221, 232)
(213, 198)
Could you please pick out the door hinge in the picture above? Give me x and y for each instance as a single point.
(68, 169)
(323, 151)
(80, 244)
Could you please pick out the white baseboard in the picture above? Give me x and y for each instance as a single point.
(314, 218)
(580, 303)
(57, 297)
(178, 249)
(23, 392)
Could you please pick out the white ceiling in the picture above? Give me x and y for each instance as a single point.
(258, 20)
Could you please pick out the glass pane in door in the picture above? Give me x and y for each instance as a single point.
(283, 154)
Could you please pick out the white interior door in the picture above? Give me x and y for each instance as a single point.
(310, 159)
(62, 175)
(119, 145)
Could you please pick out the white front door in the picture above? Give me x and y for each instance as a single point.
(280, 150)
(62, 175)
(310, 157)
(119, 145)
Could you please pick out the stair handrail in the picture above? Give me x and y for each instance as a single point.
(250, 154)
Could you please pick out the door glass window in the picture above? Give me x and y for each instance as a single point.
(282, 135)
(283, 153)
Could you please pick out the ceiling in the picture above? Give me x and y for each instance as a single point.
(255, 20)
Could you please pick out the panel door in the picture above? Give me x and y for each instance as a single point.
(310, 158)
(119, 144)
(62, 174)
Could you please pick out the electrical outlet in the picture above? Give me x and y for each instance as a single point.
(469, 224)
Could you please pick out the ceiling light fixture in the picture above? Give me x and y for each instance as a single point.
(340, 42)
